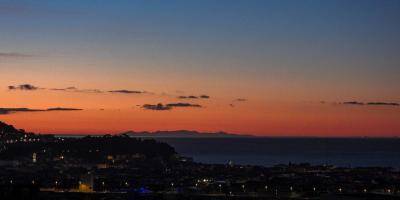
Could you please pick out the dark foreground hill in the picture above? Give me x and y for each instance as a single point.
(9, 130)
(19, 145)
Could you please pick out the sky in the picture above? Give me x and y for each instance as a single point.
(262, 67)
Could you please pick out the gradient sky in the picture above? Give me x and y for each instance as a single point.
(295, 62)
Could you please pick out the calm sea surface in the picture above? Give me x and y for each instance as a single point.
(272, 151)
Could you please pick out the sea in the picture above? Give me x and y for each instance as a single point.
(342, 152)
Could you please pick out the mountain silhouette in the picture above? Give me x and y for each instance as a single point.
(183, 134)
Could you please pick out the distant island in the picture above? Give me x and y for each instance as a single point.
(183, 134)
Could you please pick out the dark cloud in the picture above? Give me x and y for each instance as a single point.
(370, 103)
(382, 104)
(23, 87)
(169, 106)
(194, 97)
(240, 99)
(188, 97)
(126, 91)
(159, 106)
(183, 105)
(63, 109)
(5, 111)
(353, 103)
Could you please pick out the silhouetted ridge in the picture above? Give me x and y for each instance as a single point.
(9, 130)
(182, 134)
(17, 144)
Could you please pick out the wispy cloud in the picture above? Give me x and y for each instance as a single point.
(89, 91)
(28, 9)
(64, 89)
(240, 99)
(74, 89)
(14, 55)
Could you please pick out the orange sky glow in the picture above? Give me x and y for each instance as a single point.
(269, 68)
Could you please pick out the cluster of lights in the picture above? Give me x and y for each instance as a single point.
(97, 150)
(22, 140)
(243, 186)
